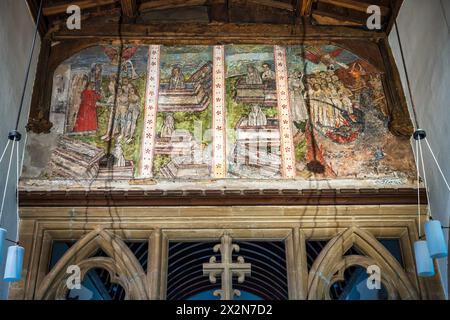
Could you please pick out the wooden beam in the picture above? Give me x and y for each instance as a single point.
(395, 9)
(329, 19)
(305, 7)
(354, 5)
(138, 198)
(218, 11)
(201, 33)
(273, 4)
(170, 4)
(129, 8)
(83, 4)
(33, 6)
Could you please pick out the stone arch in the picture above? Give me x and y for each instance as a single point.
(331, 263)
(121, 263)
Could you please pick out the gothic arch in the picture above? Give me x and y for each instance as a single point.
(331, 262)
(121, 263)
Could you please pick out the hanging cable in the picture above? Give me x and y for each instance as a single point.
(17, 191)
(425, 178)
(408, 82)
(437, 163)
(27, 73)
(418, 184)
(4, 151)
(6, 182)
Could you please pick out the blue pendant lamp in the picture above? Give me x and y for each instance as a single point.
(14, 259)
(435, 246)
(2, 242)
(424, 263)
(435, 239)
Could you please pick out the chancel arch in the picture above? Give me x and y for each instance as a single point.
(122, 265)
(332, 263)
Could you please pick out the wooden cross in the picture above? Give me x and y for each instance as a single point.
(226, 268)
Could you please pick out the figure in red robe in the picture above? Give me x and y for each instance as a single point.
(87, 114)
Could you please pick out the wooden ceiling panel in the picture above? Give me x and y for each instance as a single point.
(323, 12)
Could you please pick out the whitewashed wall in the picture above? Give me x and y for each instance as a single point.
(16, 33)
(425, 35)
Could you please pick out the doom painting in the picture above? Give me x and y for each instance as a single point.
(183, 132)
(340, 119)
(97, 107)
(253, 135)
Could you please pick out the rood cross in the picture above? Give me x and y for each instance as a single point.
(226, 268)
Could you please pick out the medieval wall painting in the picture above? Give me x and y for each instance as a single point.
(97, 107)
(253, 135)
(340, 120)
(183, 146)
(234, 111)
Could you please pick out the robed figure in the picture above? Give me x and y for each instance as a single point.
(87, 114)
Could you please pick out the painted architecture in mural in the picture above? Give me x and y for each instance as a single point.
(235, 111)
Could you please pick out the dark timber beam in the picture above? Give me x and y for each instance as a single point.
(129, 8)
(201, 33)
(59, 8)
(218, 11)
(273, 4)
(170, 4)
(304, 7)
(355, 5)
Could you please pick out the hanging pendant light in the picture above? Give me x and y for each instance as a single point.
(14, 262)
(424, 263)
(2, 243)
(435, 239)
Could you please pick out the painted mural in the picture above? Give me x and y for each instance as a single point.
(235, 111)
(97, 108)
(183, 131)
(253, 135)
(340, 119)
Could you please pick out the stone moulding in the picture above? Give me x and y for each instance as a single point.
(220, 197)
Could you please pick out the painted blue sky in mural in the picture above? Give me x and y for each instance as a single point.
(84, 60)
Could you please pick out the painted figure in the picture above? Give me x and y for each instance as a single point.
(79, 82)
(96, 76)
(87, 115)
(256, 118)
(177, 79)
(121, 114)
(253, 76)
(298, 106)
(134, 111)
(168, 126)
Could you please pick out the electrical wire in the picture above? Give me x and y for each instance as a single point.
(425, 178)
(437, 163)
(6, 182)
(27, 74)
(418, 184)
(408, 82)
(17, 192)
(4, 151)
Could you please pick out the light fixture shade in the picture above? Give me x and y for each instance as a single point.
(435, 239)
(424, 263)
(14, 262)
(3, 233)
